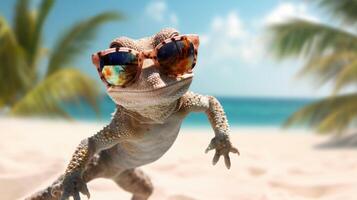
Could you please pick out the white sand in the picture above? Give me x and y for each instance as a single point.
(273, 164)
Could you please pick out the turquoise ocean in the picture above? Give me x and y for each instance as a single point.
(241, 111)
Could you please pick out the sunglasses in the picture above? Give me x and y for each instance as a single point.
(122, 66)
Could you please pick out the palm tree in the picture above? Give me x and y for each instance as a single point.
(331, 57)
(28, 89)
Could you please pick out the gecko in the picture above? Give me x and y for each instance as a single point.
(148, 116)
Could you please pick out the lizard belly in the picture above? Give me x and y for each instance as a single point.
(151, 146)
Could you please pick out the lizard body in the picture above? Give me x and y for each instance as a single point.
(144, 126)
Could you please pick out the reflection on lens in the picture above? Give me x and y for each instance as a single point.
(176, 57)
(118, 75)
(119, 68)
(119, 58)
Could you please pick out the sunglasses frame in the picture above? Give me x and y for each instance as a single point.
(142, 55)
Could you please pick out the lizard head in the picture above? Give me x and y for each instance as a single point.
(152, 86)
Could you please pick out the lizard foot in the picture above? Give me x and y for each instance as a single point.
(223, 146)
(73, 184)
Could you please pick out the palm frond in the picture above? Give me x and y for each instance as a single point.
(48, 97)
(13, 71)
(76, 40)
(347, 76)
(331, 56)
(24, 25)
(43, 11)
(309, 39)
(35, 48)
(343, 9)
(324, 68)
(333, 114)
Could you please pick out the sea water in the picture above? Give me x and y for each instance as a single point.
(241, 111)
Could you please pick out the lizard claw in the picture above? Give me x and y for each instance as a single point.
(85, 191)
(215, 158)
(234, 150)
(227, 161)
(73, 184)
(209, 148)
(223, 146)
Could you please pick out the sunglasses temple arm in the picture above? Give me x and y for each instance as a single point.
(95, 60)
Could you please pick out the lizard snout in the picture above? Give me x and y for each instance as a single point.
(151, 75)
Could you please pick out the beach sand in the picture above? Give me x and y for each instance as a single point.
(274, 164)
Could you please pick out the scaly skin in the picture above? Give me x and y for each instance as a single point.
(145, 125)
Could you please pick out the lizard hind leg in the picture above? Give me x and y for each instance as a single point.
(98, 167)
(46, 194)
(136, 182)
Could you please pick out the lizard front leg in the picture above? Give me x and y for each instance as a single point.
(192, 102)
(73, 182)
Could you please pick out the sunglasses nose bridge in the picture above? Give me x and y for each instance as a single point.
(148, 63)
(148, 58)
(148, 54)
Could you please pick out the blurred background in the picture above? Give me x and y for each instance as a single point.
(46, 48)
(271, 63)
(264, 61)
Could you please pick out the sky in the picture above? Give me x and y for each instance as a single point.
(234, 57)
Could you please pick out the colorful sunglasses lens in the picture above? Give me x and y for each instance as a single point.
(119, 58)
(119, 68)
(176, 57)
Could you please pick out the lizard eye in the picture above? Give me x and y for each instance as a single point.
(119, 68)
